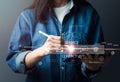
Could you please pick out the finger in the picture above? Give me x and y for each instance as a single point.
(55, 47)
(90, 57)
(55, 37)
(58, 39)
(96, 57)
(57, 42)
(80, 57)
(53, 41)
(101, 58)
(84, 58)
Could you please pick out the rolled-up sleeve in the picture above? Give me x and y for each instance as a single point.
(95, 36)
(21, 36)
(87, 73)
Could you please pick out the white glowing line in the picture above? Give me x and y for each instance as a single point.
(43, 33)
(95, 62)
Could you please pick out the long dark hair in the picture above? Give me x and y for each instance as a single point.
(41, 8)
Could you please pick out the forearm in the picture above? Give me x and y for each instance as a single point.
(33, 57)
(89, 72)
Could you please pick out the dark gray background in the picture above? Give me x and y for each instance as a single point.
(109, 12)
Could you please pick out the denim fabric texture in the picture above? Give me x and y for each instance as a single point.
(81, 25)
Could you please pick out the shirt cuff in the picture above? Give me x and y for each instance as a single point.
(87, 73)
(20, 63)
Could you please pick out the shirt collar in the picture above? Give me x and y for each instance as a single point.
(71, 4)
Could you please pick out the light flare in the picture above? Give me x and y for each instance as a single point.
(70, 48)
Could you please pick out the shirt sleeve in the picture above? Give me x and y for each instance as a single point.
(88, 73)
(21, 37)
(95, 33)
(95, 37)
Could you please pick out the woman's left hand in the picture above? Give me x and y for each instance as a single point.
(94, 62)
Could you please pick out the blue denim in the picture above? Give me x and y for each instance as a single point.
(81, 25)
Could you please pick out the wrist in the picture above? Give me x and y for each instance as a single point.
(93, 71)
(93, 68)
(41, 51)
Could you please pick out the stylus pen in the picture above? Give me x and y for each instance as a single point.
(43, 33)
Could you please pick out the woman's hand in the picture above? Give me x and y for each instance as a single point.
(94, 62)
(52, 44)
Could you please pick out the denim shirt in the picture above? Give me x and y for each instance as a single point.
(81, 25)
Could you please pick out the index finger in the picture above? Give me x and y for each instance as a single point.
(55, 37)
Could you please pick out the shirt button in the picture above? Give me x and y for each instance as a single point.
(40, 63)
(62, 67)
(62, 34)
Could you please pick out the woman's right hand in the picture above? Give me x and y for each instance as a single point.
(53, 43)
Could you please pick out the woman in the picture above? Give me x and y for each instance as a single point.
(64, 21)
